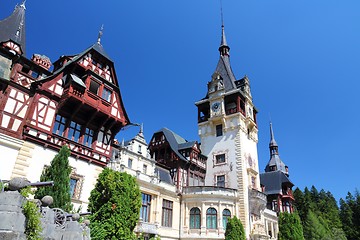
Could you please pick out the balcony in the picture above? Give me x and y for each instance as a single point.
(258, 201)
(146, 227)
(212, 190)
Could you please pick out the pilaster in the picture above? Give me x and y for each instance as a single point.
(23, 159)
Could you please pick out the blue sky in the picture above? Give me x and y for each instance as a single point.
(302, 58)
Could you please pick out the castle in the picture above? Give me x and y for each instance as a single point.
(189, 189)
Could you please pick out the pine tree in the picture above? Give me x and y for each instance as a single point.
(300, 204)
(234, 230)
(324, 211)
(59, 172)
(115, 205)
(290, 226)
(314, 228)
(350, 215)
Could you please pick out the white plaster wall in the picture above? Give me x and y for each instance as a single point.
(211, 144)
(9, 152)
(43, 156)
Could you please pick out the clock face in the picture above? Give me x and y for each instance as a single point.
(216, 106)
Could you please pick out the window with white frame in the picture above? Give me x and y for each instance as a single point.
(226, 217)
(220, 158)
(211, 218)
(195, 218)
(167, 211)
(145, 207)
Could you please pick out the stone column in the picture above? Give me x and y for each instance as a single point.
(203, 220)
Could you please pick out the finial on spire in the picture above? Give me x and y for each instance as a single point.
(100, 34)
(142, 128)
(272, 138)
(224, 48)
(221, 12)
(23, 4)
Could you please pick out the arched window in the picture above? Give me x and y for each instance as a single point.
(226, 217)
(211, 216)
(195, 217)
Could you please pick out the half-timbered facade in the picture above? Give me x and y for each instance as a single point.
(182, 158)
(75, 101)
(189, 191)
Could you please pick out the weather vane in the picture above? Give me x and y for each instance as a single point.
(100, 33)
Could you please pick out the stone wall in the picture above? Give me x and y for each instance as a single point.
(56, 224)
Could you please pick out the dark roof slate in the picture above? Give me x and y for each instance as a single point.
(10, 25)
(176, 142)
(273, 182)
(276, 161)
(224, 69)
(163, 174)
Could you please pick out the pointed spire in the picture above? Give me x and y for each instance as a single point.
(100, 34)
(141, 131)
(224, 48)
(23, 5)
(275, 162)
(13, 27)
(272, 138)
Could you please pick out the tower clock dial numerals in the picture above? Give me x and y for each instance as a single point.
(216, 106)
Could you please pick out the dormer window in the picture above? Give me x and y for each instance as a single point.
(94, 87)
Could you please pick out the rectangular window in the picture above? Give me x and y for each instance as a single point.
(253, 182)
(130, 161)
(34, 74)
(145, 207)
(167, 209)
(73, 183)
(59, 126)
(103, 137)
(144, 169)
(88, 137)
(94, 87)
(139, 149)
(274, 205)
(219, 130)
(106, 94)
(220, 181)
(220, 158)
(74, 131)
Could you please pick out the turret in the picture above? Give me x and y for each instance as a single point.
(275, 163)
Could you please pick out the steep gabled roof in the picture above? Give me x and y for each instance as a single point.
(273, 181)
(98, 48)
(13, 27)
(176, 142)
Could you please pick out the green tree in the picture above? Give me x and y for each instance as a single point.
(324, 211)
(350, 215)
(290, 226)
(59, 172)
(115, 205)
(314, 228)
(234, 230)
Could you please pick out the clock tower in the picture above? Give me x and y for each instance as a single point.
(229, 135)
